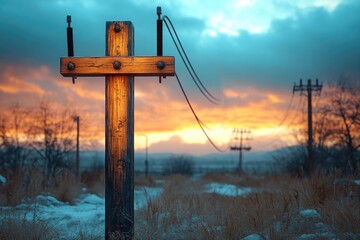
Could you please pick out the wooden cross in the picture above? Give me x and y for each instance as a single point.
(119, 68)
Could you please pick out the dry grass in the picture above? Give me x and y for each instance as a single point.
(66, 187)
(94, 181)
(15, 226)
(274, 210)
(144, 181)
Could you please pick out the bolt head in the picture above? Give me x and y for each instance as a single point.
(160, 65)
(117, 27)
(71, 66)
(117, 65)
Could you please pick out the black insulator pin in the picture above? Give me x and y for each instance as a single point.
(70, 41)
(159, 32)
(159, 35)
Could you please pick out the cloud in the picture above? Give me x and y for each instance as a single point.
(176, 145)
(27, 80)
(252, 71)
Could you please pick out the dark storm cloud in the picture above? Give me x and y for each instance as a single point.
(316, 44)
(35, 31)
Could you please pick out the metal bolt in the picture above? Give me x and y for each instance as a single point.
(160, 65)
(71, 66)
(117, 27)
(117, 65)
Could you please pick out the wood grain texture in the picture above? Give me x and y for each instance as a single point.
(100, 66)
(119, 127)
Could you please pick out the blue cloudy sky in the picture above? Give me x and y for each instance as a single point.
(248, 53)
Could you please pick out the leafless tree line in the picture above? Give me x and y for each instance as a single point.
(42, 137)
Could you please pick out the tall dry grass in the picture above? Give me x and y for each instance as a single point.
(17, 225)
(274, 210)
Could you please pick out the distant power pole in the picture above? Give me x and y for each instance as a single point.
(146, 155)
(77, 120)
(306, 90)
(238, 137)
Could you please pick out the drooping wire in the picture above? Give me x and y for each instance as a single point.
(201, 124)
(187, 62)
(296, 108)
(287, 111)
(285, 117)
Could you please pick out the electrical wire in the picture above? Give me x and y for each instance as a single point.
(281, 123)
(196, 117)
(287, 111)
(187, 62)
(298, 108)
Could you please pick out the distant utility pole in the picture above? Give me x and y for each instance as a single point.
(306, 90)
(146, 155)
(77, 120)
(238, 137)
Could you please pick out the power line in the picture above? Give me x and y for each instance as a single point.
(276, 130)
(298, 107)
(196, 117)
(187, 62)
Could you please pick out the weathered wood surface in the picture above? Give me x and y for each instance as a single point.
(119, 155)
(100, 66)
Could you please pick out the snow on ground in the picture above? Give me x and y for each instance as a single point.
(87, 215)
(144, 194)
(253, 237)
(227, 189)
(2, 179)
(357, 182)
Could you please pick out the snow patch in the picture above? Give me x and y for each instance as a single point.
(86, 216)
(227, 189)
(253, 237)
(312, 236)
(91, 199)
(310, 213)
(2, 179)
(48, 201)
(145, 194)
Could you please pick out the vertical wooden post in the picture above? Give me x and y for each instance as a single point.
(119, 131)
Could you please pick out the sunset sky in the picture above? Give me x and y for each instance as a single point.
(248, 53)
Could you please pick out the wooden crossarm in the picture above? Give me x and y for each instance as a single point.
(101, 66)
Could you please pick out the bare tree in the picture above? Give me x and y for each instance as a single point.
(13, 148)
(180, 164)
(52, 134)
(345, 105)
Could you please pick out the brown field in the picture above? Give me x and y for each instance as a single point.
(279, 207)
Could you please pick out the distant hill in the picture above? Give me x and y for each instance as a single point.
(252, 161)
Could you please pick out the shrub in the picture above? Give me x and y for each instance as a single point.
(182, 164)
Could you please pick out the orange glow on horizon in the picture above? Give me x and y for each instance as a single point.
(159, 114)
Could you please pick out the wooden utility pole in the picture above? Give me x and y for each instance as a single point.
(238, 137)
(119, 67)
(146, 156)
(307, 91)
